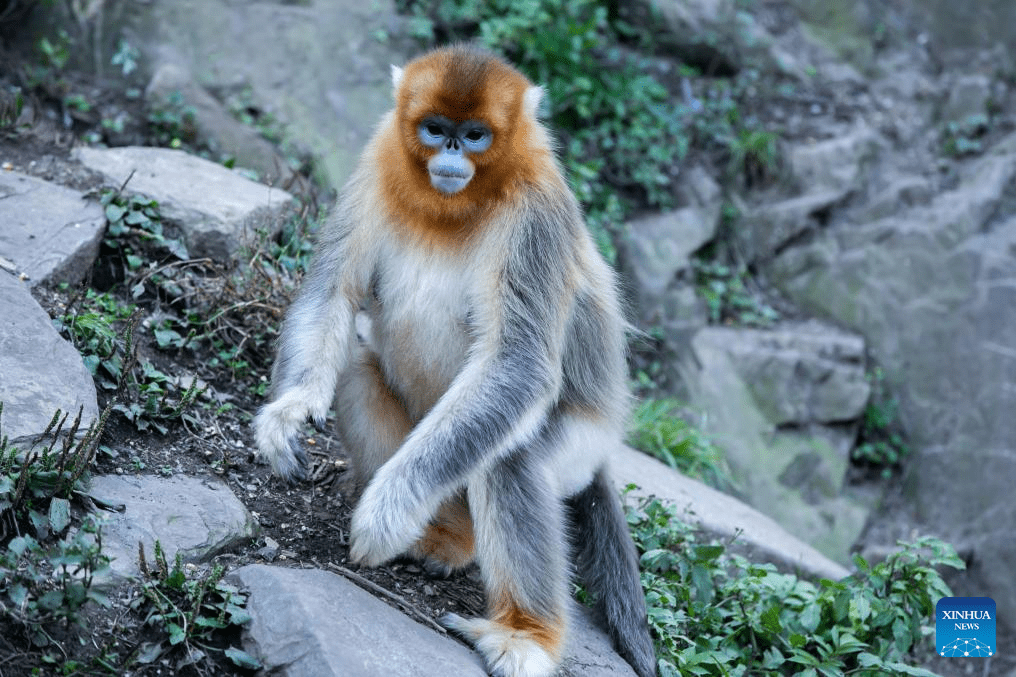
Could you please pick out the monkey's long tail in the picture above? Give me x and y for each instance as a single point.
(608, 564)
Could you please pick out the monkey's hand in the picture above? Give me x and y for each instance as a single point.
(276, 427)
(390, 517)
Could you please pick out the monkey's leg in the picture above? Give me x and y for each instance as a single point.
(521, 551)
(372, 424)
(370, 419)
(447, 544)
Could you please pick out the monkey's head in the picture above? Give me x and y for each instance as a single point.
(467, 121)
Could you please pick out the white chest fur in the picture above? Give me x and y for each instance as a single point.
(420, 325)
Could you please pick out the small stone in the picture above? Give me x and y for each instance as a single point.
(197, 517)
(50, 233)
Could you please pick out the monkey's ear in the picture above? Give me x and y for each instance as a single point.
(396, 77)
(532, 100)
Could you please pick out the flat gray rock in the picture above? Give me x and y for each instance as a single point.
(344, 84)
(799, 373)
(659, 246)
(769, 227)
(792, 473)
(833, 164)
(49, 233)
(199, 518)
(40, 372)
(217, 209)
(313, 623)
(760, 538)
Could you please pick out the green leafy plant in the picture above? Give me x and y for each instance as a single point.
(91, 324)
(136, 215)
(173, 123)
(48, 564)
(656, 429)
(715, 613)
(193, 613)
(727, 296)
(55, 52)
(103, 330)
(45, 581)
(754, 155)
(881, 444)
(159, 399)
(126, 57)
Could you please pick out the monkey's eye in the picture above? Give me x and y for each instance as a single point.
(432, 131)
(476, 137)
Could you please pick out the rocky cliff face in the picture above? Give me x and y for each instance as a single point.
(895, 222)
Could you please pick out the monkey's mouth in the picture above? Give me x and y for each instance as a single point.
(449, 174)
(449, 181)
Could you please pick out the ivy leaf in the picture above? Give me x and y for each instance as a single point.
(176, 633)
(242, 659)
(771, 620)
(114, 212)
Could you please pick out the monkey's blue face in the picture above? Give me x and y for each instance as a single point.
(450, 168)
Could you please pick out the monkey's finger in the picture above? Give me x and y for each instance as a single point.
(292, 463)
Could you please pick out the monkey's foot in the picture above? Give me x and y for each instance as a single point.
(447, 543)
(508, 651)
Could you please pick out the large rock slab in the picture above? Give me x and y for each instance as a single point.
(172, 85)
(656, 255)
(197, 517)
(658, 247)
(217, 209)
(710, 34)
(760, 538)
(40, 372)
(800, 373)
(833, 164)
(794, 474)
(933, 291)
(765, 229)
(321, 68)
(50, 233)
(313, 623)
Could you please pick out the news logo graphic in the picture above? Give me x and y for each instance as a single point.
(965, 627)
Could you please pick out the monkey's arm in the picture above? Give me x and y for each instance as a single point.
(314, 346)
(499, 400)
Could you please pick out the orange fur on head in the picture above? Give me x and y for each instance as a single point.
(460, 83)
